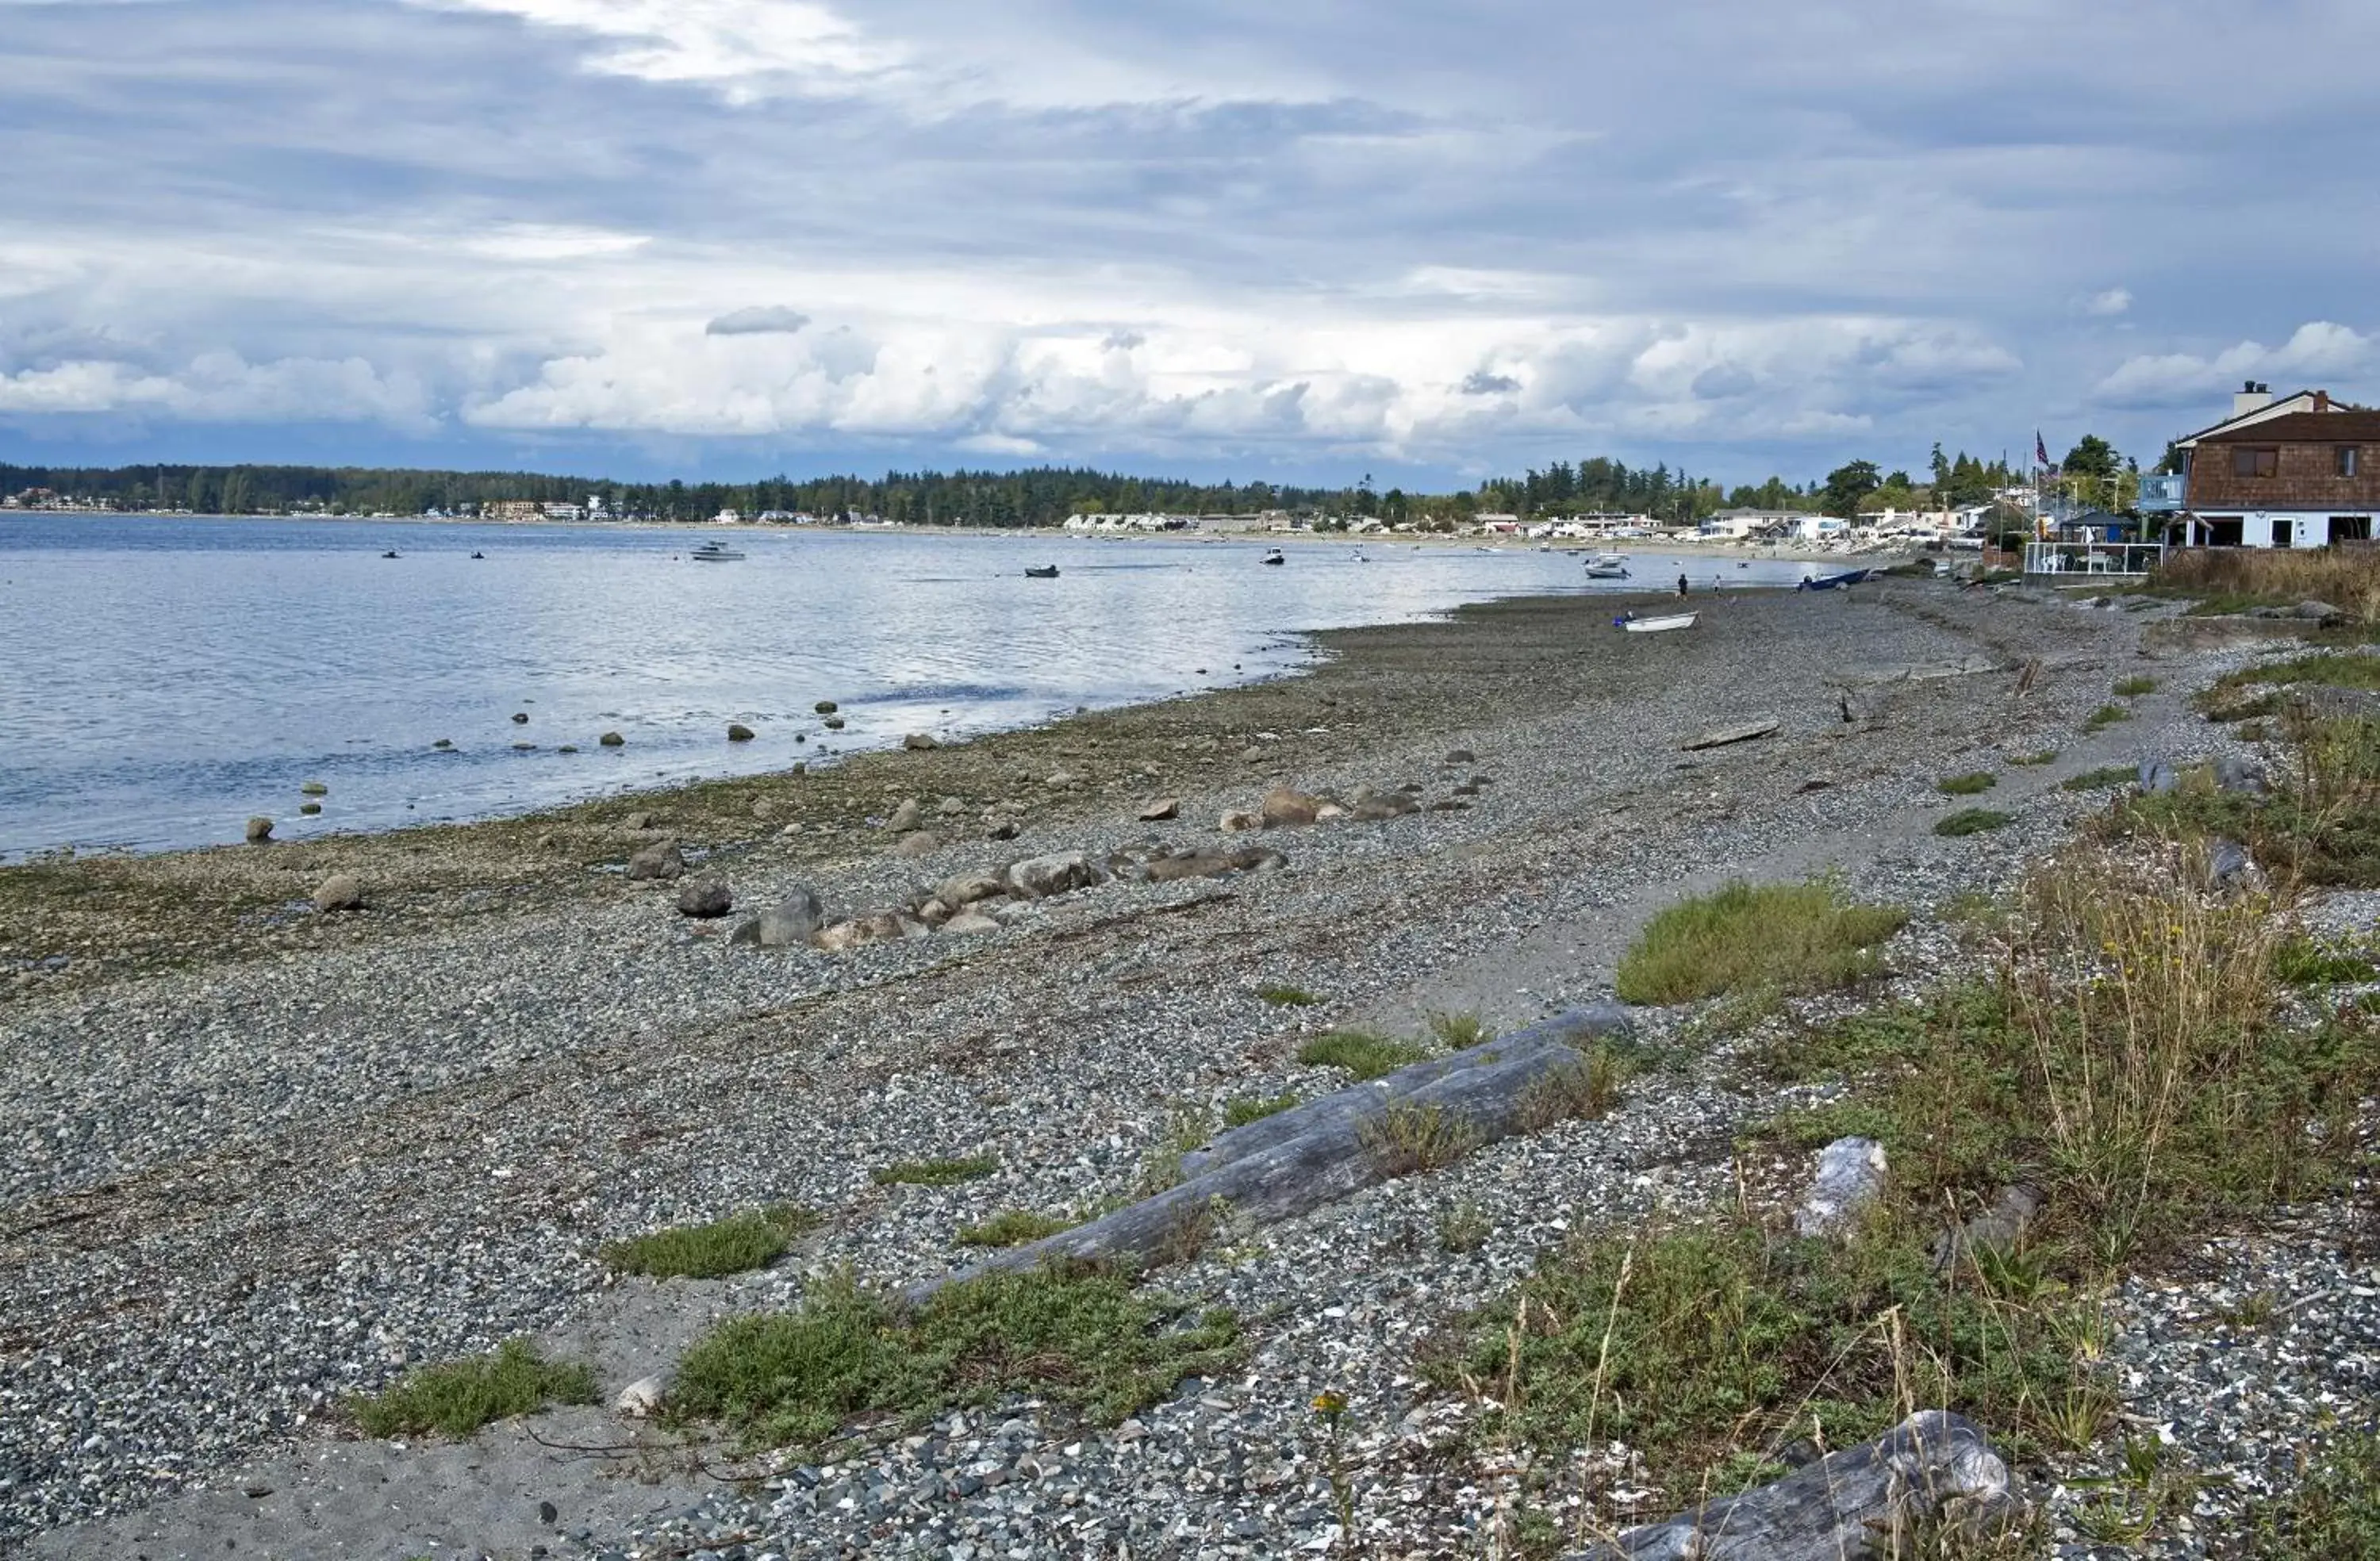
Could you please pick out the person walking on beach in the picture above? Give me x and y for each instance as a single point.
(1681, 584)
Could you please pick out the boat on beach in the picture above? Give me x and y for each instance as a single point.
(1832, 582)
(1662, 624)
(715, 551)
(1598, 570)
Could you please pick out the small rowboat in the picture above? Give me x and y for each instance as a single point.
(1659, 625)
(1047, 571)
(1832, 582)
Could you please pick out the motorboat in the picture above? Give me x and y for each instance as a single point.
(1607, 561)
(1599, 571)
(1273, 556)
(476, 553)
(715, 551)
(1047, 571)
(1831, 582)
(391, 553)
(1663, 624)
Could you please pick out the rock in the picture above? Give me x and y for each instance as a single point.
(884, 926)
(611, 740)
(2240, 773)
(1328, 811)
(524, 747)
(639, 822)
(705, 898)
(2157, 776)
(1158, 809)
(791, 922)
(1372, 805)
(260, 831)
(567, 748)
(925, 842)
(834, 723)
(1005, 830)
(443, 742)
(920, 742)
(1038, 878)
(314, 789)
(1214, 863)
(1060, 781)
(1849, 1178)
(309, 808)
(764, 808)
(661, 860)
(338, 892)
(1462, 756)
(642, 1397)
(906, 818)
(825, 706)
(969, 924)
(2319, 612)
(965, 889)
(2229, 868)
(1466, 788)
(1995, 1231)
(1285, 808)
(1252, 756)
(738, 732)
(520, 717)
(1234, 822)
(951, 807)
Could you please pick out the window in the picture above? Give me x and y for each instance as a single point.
(2246, 462)
(2349, 528)
(2347, 453)
(2281, 533)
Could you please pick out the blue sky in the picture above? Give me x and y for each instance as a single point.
(1288, 241)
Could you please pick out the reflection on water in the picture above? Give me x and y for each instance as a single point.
(166, 678)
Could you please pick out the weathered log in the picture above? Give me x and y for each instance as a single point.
(1315, 1153)
(1933, 1471)
(1722, 736)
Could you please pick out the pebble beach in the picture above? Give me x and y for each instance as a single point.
(267, 1158)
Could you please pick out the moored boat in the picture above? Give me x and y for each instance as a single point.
(1047, 571)
(1659, 625)
(715, 551)
(1273, 557)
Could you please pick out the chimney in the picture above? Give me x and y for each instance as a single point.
(2251, 398)
(2322, 401)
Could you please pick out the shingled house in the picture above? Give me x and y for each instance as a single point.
(2303, 473)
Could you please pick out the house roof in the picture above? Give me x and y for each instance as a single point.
(2306, 427)
(2278, 406)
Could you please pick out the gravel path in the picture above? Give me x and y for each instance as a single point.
(252, 1187)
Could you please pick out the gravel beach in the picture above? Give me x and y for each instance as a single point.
(267, 1158)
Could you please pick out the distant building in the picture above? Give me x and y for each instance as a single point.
(1741, 523)
(2304, 472)
(512, 510)
(560, 509)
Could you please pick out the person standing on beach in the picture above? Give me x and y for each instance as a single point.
(1681, 584)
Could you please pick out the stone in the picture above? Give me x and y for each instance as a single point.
(2229, 868)
(1373, 807)
(443, 742)
(520, 717)
(1158, 809)
(906, 816)
(1252, 756)
(969, 924)
(925, 842)
(642, 1397)
(314, 789)
(1234, 822)
(1285, 808)
(1462, 756)
(340, 892)
(825, 706)
(662, 861)
(1849, 1178)
(1038, 878)
(1995, 1231)
(2320, 613)
(567, 748)
(790, 923)
(920, 742)
(1328, 811)
(1006, 830)
(965, 888)
(1466, 788)
(951, 807)
(705, 898)
(834, 723)
(884, 926)
(1214, 863)
(764, 808)
(524, 747)
(738, 732)
(1060, 781)
(611, 740)
(2240, 773)
(260, 831)
(639, 822)
(2157, 776)
(309, 808)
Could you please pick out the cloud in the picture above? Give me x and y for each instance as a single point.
(745, 48)
(223, 387)
(2108, 304)
(762, 320)
(1481, 382)
(2315, 350)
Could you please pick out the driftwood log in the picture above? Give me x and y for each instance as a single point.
(1933, 1472)
(1286, 1163)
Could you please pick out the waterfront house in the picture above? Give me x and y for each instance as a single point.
(1739, 524)
(2307, 477)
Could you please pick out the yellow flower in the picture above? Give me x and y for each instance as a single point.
(1330, 1404)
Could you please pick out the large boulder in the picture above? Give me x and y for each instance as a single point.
(906, 818)
(260, 831)
(1849, 1178)
(924, 843)
(661, 861)
(884, 926)
(791, 921)
(1038, 878)
(920, 742)
(705, 898)
(340, 892)
(611, 740)
(738, 732)
(1286, 808)
(965, 889)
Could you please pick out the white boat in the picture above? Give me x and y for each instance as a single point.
(1659, 625)
(1607, 561)
(1607, 571)
(1272, 557)
(714, 552)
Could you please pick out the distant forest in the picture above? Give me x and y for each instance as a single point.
(1036, 496)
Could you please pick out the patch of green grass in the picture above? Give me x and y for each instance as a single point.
(1242, 1109)
(934, 1173)
(2105, 717)
(1968, 785)
(1287, 997)
(2321, 826)
(1457, 1030)
(2101, 778)
(1972, 821)
(1779, 939)
(1367, 1054)
(1080, 1338)
(458, 1398)
(1584, 1090)
(2334, 1513)
(1407, 1139)
(2327, 668)
(1012, 1228)
(1463, 1229)
(752, 1240)
(2301, 962)
(2134, 686)
(2046, 756)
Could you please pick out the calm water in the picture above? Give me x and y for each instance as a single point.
(162, 679)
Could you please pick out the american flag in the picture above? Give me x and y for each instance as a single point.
(2041, 451)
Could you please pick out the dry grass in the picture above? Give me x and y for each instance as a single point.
(1406, 1138)
(1585, 1090)
(2349, 580)
(1772, 939)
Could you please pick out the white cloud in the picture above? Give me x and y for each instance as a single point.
(224, 387)
(535, 242)
(743, 47)
(2108, 304)
(2314, 350)
(764, 320)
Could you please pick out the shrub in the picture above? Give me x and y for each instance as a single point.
(1774, 937)
(1972, 821)
(2301, 962)
(1012, 1228)
(2099, 779)
(751, 1239)
(1463, 1229)
(1242, 1109)
(1367, 1054)
(2322, 825)
(2133, 687)
(1586, 1089)
(1456, 1031)
(1079, 1338)
(2104, 716)
(460, 1397)
(1406, 1138)
(1966, 785)
(933, 1173)
(2335, 1511)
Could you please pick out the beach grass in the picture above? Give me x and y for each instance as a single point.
(733, 1246)
(934, 1173)
(1012, 1228)
(458, 1398)
(1367, 1054)
(1966, 785)
(1746, 938)
(1972, 821)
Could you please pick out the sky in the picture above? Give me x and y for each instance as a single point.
(1290, 239)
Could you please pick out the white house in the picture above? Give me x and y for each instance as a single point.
(1820, 527)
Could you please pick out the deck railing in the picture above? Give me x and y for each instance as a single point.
(2134, 559)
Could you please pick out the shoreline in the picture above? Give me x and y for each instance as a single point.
(425, 1119)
